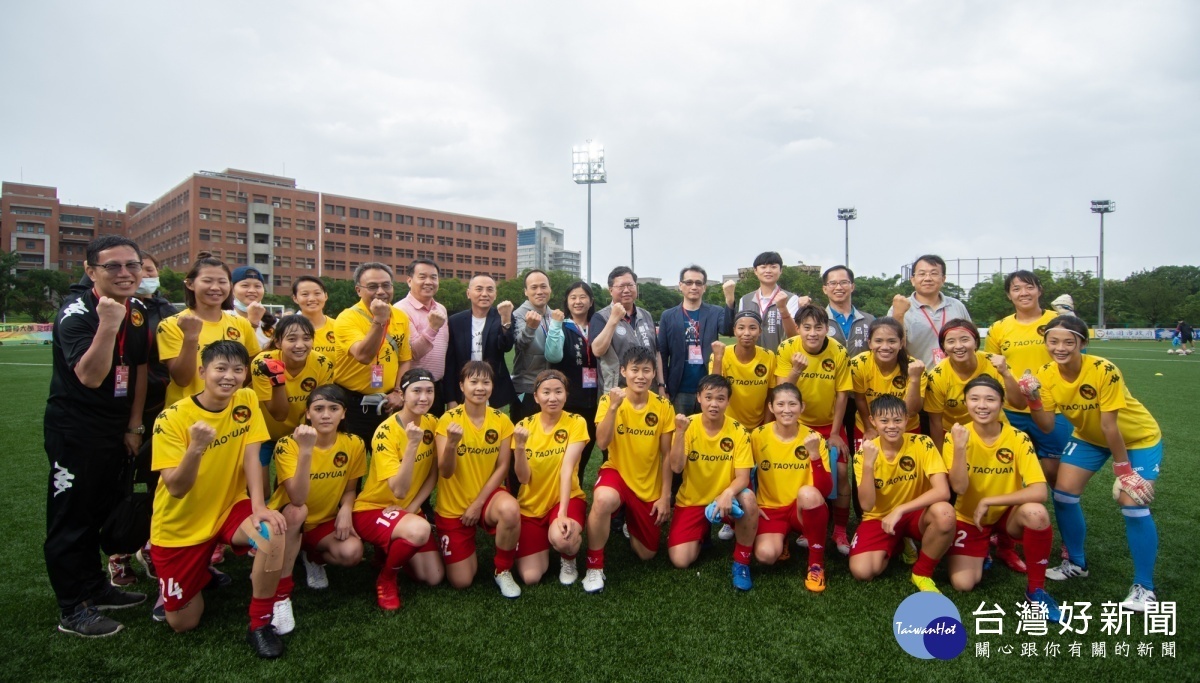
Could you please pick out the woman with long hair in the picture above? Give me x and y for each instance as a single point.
(568, 351)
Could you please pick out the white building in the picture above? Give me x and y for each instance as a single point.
(542, 247)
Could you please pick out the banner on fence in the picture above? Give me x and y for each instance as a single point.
(25, 333)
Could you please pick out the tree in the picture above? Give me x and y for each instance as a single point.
(656, 298)
(341, 296)
(170, 285)
(39, 293)
(8, 280)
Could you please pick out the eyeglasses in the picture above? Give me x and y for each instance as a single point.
(134, 267)
(621, 288)
(693, 283)
(376, 286)
(839, 283)
(927, 273)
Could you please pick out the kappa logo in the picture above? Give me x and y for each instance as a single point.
(308, 384)
(136, 317)
(760, 370)
(801, 452)
(560, 436)
(1087, 391)
(232, 333)
(908, 464)
(427, 437)
(827, 365)
(77, 306)
(491, 436)
(1004, 455)
(62, 478)
(241, 414)
(899, 381)
(652, 419)
(340, 459)
(727, 444)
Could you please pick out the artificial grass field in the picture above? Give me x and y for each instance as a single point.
(652, 622)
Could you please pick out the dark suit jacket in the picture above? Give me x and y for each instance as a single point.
(496, 342)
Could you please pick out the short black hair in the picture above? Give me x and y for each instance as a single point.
(473, 368)
(372, 265)
(812, 312)
(887, 404)
(284, 324)
(784, 388)
(225, 350)
(931, 259)
(985, 381)
(106, 242)
(961, 323)
(768, 258)
(636, 354)
(825, 275)
(531, 271)
(1071, 324)
(412, 267)
(695, 268)
(618, 272)
(714, 382)
(1028, 277)
(308, 278)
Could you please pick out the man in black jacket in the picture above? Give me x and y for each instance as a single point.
(482, 333)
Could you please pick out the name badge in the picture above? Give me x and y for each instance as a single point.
(589, 378)
(121, 385)
(694, 355)
(376, 376)
(938, 356)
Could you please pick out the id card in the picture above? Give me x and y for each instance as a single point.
(695, 357)
(376, 376)
(938, 356)
(589, 378)
(121, 385)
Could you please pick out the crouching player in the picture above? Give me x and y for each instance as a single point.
(903, 495)
(318, 468)
(1000, 487)
(206, 454)
(402, 475)
(635, 425)
(712, 450)
(793, 482)
(546, 451)
(473, 455)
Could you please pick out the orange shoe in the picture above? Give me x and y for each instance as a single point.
(815, 581)
(786, 554)
(387, 594)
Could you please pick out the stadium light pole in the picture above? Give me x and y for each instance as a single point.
(587, 168)
(632, 224)
(847, 215)
(1102, 206)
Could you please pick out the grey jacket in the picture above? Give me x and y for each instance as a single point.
(529, 357)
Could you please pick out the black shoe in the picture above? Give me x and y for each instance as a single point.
(113, 598)
(159, 613)
(219, 579)
(266, 642)
(86, 621)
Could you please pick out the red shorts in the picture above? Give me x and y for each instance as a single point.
(183, 572)
(688, 525)
(870, 536)
(779, 521)
(535, 531)
(825, 431)
(969, 541)
(457, 539)
(637, 511)
(375, 527)
(858, 439)
(309, 539)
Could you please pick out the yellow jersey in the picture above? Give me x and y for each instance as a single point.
(220, 482)
(1099, 388)
(1007, 466)
(904, 477)
(871, 382)
(634, 452)
(318, 371)
(783, 466)
(231, 326)
(944, 389)
(751, 382)
(712, 460)
(390, 443)
(1023, 345)
(353, 325)
(325, 339)
(330, 471)
(477, 455)
(545, 450)
(828, 373)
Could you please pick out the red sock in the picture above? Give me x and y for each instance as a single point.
(399, 552)
(1037, 556)
(925, 565)
(741, 553)
(284, 590)
(814, 522)
(261, 611)
(840, 517)
(568, 558)
(595, 558)
(504, 559)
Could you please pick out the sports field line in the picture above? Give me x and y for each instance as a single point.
(38, 365)
(1146, 360)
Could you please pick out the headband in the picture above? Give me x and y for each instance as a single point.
(747, 313)
(1067, 329)
(417, 375)
(946, 330)
(542, 380)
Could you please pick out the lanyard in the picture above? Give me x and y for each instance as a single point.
(936, 329)
(692, 323)
(762, 310)
(121, 332)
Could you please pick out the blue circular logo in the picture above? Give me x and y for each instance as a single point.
(928, 626)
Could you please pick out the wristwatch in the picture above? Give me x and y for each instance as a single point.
(139, 430)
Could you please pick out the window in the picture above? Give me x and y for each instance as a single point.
(205, 193)
(240, 259)
(462, 244)
(31, 211)
(302, 205)
(481, 230)
(354, 212)
(330, 264)
(444, 241)
(482, 246)
(462, 258)
(425, 239)
(33, 245)
(231, 216)
(360, 231)
(335, 229)
(498, 246)
(241, 217)
(425, 254)
(261, 238)
(383, 251)
(302, 224)
(260, 259)
(360, 249)
(216, 193)
(445, 257)
(204, 236)
(283, 262)
(498, 262)
(306, 263)
(261, 219)
(283, 223)
(404, 253)
(260, 199)
(335, 246)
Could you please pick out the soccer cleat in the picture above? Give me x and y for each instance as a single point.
(120, 572)
(840, 540)
(387, 594)
(910, 552)
(143, 558)
(987, 562)
(593, 581)
(282, 617)
(217, 579)
(568, 574)
(86, 621)
(111, 598)
(1139, 596)
(625, 530)
(785, 554)
(159, 613)
(725, 533)
(1041, 597)
(741, 577)
(815, 581)
(1066, 570)
(801, 542)
(925, 584)
(218, 554)
(1011, 559)
(266, 642)
(314, 573)
(508, 585)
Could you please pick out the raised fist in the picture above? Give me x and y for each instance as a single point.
(436, 319)
(718, 349)
(414, 432)
(202, 432)
(959, 434)
(305, 436)
(869, 451)
(999, 363)
(728, 287)
(803, 301)
(381, 311)
(520, 436)
(615, 396)
(812, 444)
(454, 432)
(915, 368)
(505, 308)
(799, 362)
(681, 423)
(618, 312)
(273, 369)
(533, 319)
(900, 306)
(190, 325)
(780, 298)
(255, 312)
(557, 315)
(110, 311)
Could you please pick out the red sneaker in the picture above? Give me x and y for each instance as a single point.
(1011, 559)
(218, 555)
(387, 594)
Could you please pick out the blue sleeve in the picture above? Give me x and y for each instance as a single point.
(554, 342)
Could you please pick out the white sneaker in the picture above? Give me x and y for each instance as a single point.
(625, 529)
(569, 573)
(1069, 570)
(593, 581)
(314, 574)
(508, 585)
(1139, 596)
(282, 618)
(725, 533)
(802, 542)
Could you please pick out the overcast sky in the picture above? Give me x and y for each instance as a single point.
(969, 129)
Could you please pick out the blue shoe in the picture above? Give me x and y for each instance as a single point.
(1041, 597)
(741, 577)
(987, 562)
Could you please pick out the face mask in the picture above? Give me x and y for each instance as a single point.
(239, 306)
(149, 286)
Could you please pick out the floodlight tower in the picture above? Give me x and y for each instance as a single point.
(632, 224)
(1102, 206)
(847, 215)
(587, 168)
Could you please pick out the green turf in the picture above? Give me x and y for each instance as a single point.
(651, 623)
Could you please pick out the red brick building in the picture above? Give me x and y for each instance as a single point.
(46, 233)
